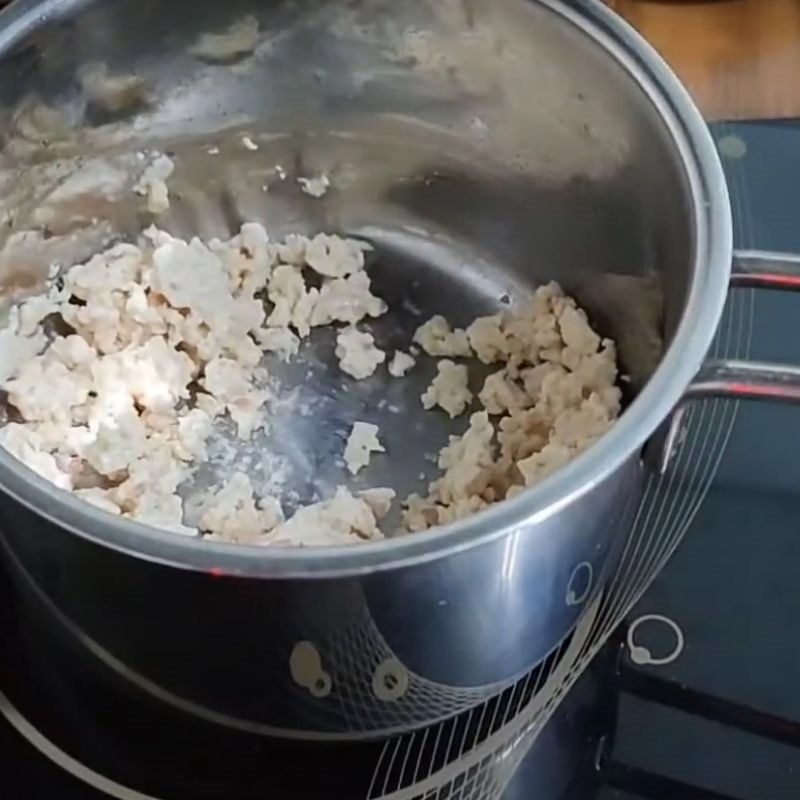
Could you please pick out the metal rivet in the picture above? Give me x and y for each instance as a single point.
(390, 681)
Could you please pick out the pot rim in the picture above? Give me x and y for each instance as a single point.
(710, 206)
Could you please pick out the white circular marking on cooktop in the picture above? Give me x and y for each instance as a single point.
(641, 656)
(732, 147)
(61, 759)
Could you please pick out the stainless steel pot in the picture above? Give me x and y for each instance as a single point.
(484, 146)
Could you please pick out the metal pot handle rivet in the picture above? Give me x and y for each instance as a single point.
(390, 681)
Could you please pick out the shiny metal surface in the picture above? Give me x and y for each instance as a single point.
(756, 269)
(732, 379)
(484, 147)
(737, 380)
(455, 632)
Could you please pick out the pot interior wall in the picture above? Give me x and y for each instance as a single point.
(494, 145)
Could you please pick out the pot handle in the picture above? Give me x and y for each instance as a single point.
(733, 379)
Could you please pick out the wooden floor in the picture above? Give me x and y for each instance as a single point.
(740, 58)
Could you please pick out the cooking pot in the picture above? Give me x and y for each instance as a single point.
(479, 145)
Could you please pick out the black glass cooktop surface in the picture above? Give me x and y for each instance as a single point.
(721, 720)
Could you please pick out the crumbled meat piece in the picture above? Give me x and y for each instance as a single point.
(154, 376)
(316, 187)
(239, 40)
(153, 184)
(190, 276)
(348, 300)
(537, 467)
(361, 444)
(420, 513)
(112, 92)
(153, 480)
(293, 302)
(17, 350)
(281, 341)
(501, 394)
(230, 383)
(450, 389)
(467, 462)
(333, 257)
(109, 410)
(437, 338)
(292, 250)
(194, 430)
(555, 396)
(465, 487)
(379, 500)
(116, 447)
(32, 313)
(342, 520)
(26, 446)
(401, 364)
(357, 353)
(231, 514)
(161, 511)
(47, 390)
(488, 339)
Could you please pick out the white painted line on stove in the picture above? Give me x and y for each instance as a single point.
(66, 762)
